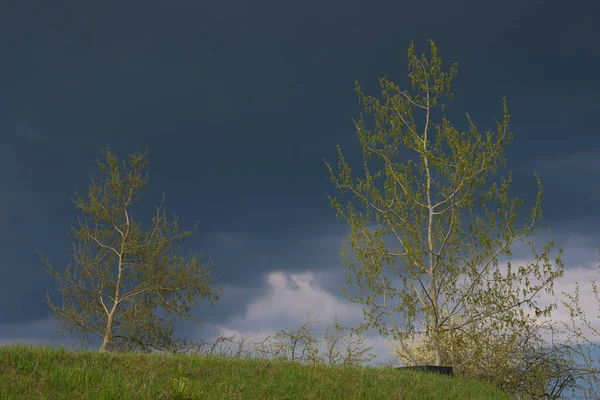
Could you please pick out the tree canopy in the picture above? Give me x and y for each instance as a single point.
(431, 190)
(121, 276)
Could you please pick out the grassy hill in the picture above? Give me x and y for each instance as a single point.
(28, 372)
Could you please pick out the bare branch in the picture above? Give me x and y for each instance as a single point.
(102, 244)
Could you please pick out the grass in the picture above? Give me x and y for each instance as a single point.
(29, 372)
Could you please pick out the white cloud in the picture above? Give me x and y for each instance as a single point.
(296, 296)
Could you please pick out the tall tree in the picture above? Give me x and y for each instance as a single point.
(445, 265)
(120, 276)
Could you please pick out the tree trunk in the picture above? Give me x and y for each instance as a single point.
(107, 333)
(436, 348)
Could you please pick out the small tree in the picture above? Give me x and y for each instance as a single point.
(122, 275)
(445, 263)
(345, 345)
(341, 346)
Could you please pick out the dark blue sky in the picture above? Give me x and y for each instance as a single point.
(239, 102)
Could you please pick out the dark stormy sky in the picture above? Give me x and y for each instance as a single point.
(240, 102)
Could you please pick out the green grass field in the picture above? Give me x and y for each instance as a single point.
(37, 373)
